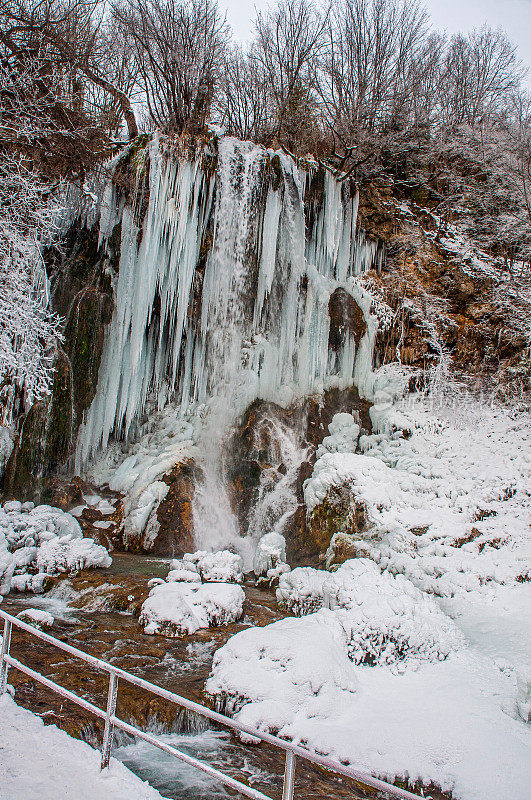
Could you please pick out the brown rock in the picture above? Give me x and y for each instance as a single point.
(175, 514)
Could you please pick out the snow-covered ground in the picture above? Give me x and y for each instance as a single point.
(41, 762)
(426, 675)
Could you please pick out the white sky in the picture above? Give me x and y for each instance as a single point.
(514, 16)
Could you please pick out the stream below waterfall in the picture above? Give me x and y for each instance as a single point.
(97, 612)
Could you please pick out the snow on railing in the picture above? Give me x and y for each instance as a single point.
(112, 721)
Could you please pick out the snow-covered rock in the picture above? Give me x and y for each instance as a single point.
(183, 571)
(67, 554)
(222, 566)
(177, 609)
(36, 616)
(266, 673)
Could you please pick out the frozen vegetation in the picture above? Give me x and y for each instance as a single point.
(42, 541)
(183, 604)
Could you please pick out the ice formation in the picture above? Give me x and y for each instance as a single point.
(273, 344)
(280, 238)
(36, 542)
(270, 557)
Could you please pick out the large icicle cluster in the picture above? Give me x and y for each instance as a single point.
(226, 296)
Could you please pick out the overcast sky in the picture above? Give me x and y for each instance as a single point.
(514, 16)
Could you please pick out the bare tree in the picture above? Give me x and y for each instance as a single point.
(244, 104)
(63, 37)
(289, 41)
(179, 48)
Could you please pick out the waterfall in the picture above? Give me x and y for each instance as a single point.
(222, 294)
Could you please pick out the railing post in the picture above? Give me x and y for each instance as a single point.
(108, 731)
(6, 642)
(289, 777)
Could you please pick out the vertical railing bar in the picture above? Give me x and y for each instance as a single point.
(4, 666)
(108, 731)
(288, 786)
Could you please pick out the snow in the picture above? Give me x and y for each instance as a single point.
(179, 608)
(432, 616)
(40, 762)
(385, 618)
(36, 542)
(291, 664)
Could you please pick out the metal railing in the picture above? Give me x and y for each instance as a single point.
(292, 751)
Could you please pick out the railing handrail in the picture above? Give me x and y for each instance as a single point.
(291, 749)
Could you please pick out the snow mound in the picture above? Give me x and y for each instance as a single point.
(36, 616)
(385, 618)
(36, 542)
(266, 673)
(222, 566)
(177, 609)
(433, 723)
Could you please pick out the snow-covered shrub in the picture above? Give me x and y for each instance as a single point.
(177, 609)
(29, 220)
(37, 542)
(385, 618)
(301, 590)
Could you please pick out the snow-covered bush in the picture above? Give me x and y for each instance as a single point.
(37, 542)
(28, 221)
(385, 618)
(177, 609)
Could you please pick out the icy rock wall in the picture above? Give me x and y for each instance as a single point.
(222, 294)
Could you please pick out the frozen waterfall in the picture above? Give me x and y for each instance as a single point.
(222, 294)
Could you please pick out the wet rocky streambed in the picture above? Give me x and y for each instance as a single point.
(97, 611)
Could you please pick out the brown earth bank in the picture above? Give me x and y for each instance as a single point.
(102, 621)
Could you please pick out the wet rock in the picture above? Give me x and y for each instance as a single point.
(175, 514)
(255, 465)
(345, 316)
